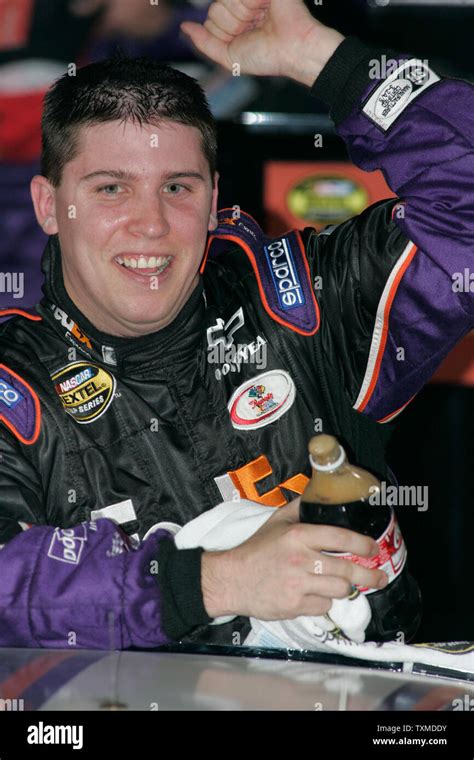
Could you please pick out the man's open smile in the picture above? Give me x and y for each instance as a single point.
(146, 264)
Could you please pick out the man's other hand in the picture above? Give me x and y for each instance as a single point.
(265, 37)
(280, 572)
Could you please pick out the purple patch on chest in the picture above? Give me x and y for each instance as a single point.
(19, 406)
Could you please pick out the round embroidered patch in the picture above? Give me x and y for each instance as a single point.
(262, 400)
(86, 390)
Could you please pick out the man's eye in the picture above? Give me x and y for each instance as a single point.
(109, 189)
(174, 188)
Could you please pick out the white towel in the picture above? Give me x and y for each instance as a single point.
(230, 524)
(446, 659)
(341, 631)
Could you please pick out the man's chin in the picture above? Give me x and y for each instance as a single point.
(130, 315)
(132, 324)
(147, 314)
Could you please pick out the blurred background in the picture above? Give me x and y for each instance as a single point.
(283, 182)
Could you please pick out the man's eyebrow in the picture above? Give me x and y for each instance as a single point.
(128, 176)
(182, 175)
(115, 173)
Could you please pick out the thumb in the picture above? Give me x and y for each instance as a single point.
(206, 43)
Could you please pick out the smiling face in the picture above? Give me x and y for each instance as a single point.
(132, 213)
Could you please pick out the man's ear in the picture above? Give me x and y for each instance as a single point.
(215, 194)
(44, 202)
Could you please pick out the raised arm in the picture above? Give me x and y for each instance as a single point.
(397, 284)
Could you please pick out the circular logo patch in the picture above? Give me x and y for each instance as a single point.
(86, 390)
(419, 75)
(262, 400)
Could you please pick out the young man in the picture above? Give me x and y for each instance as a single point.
(163, 373)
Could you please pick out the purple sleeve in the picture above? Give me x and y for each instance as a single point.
(84, 586)
(418, 128)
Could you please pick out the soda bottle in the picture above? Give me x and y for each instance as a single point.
(340, 494)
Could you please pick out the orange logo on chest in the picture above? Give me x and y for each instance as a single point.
(246, 478)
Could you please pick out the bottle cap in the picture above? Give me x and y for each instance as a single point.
(325, 453)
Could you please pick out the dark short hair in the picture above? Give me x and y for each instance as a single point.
(139, 90)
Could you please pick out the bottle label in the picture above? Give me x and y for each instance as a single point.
(391, 557)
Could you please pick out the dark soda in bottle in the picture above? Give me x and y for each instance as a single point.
(340, 494)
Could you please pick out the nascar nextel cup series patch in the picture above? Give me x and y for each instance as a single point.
(86, 390)
(396, 93)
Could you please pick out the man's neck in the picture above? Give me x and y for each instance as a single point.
(114, 326)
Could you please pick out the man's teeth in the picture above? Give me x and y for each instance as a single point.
(145, 262)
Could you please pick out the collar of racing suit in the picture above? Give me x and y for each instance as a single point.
(175, 342)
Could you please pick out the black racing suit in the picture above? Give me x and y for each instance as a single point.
(281, 339)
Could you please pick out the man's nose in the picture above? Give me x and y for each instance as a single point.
(149, 218)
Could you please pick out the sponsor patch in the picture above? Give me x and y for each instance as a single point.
(281, 269)
(67, 544)
(284, 274)
(19, 406)
(396, 93)
(85, 390)
(262, 400)
(70, 326)
(223, 334)
(9, 396)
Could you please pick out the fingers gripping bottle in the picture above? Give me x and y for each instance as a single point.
(346, 496)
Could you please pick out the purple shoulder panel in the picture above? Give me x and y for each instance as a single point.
(281, 269)
(20, 409)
